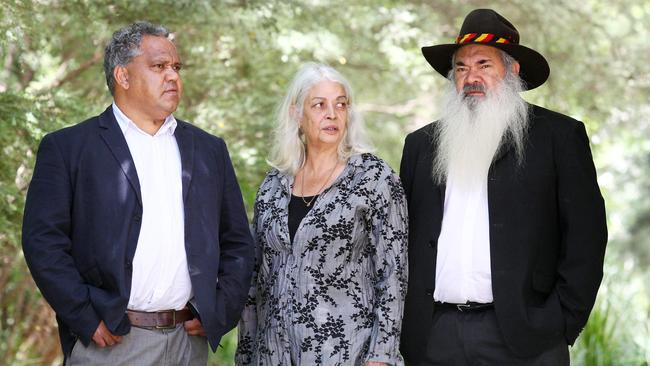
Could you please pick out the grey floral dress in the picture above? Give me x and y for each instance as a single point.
(335, 295)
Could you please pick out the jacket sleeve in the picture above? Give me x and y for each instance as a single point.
(389, 236)
(47, 244)
(236, 245)
(583, 227)
(406, 166)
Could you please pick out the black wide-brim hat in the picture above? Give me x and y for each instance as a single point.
(487, 27)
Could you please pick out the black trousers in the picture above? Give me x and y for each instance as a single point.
(474, 339)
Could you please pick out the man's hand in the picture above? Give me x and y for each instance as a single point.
(194, 328)
(103, 337)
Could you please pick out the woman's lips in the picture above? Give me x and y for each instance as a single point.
(331, 129)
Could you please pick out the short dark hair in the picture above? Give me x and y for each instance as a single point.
(125, 45)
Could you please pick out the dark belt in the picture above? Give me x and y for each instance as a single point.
(468, 306)
(163, 319)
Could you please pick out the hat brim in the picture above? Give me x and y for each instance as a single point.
(534, 69)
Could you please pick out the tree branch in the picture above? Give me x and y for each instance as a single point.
(79, 70)
(6, 69)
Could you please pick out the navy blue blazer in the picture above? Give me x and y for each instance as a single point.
(547, 236)
(82, 221)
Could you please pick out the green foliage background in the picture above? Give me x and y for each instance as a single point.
(240, 56)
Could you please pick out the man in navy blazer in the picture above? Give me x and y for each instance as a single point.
(134, 228)
(507, 228)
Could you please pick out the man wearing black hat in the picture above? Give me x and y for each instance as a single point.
(507, 224)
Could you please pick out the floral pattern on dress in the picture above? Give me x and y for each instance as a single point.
(335, 295)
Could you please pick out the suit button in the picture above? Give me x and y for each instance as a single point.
(429, 292)
(432, 243)
(128, 264)
(137, 218)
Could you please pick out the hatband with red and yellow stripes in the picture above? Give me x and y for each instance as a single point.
(481, 38)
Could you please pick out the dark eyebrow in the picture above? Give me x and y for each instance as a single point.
(480, 62)
(162, 58)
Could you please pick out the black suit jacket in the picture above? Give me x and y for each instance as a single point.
(82, 222)
(547, 235)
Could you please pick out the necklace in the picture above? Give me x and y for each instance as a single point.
(302, 186)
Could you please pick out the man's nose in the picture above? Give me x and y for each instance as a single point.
(472, 76)
(172, 74)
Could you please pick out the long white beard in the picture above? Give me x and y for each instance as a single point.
(471, 131)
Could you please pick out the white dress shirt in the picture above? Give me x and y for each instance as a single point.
(463, 261)
(161, 279)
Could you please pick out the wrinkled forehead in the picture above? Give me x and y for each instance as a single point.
(477, 51)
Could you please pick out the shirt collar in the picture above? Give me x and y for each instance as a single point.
(126, 124)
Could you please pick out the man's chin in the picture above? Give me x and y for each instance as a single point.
(473, 101)
(170, 108)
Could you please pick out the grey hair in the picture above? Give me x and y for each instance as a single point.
(289, 151)
(506, 97)
(508, 60)
(125, 45)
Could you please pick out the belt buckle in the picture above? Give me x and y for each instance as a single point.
(172, 326)
(463, 307)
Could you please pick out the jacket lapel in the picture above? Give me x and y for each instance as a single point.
(503, 150)
(114, 138)
(185, 141)
(434, 152)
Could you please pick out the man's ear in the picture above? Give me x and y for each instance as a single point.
(516, 67)
(121, 75)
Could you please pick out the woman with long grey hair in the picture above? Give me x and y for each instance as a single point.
(330, 224)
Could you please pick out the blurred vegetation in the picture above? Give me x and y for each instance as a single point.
(240, 56)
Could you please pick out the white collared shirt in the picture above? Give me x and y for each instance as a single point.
(161, 279)
(463, 261)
